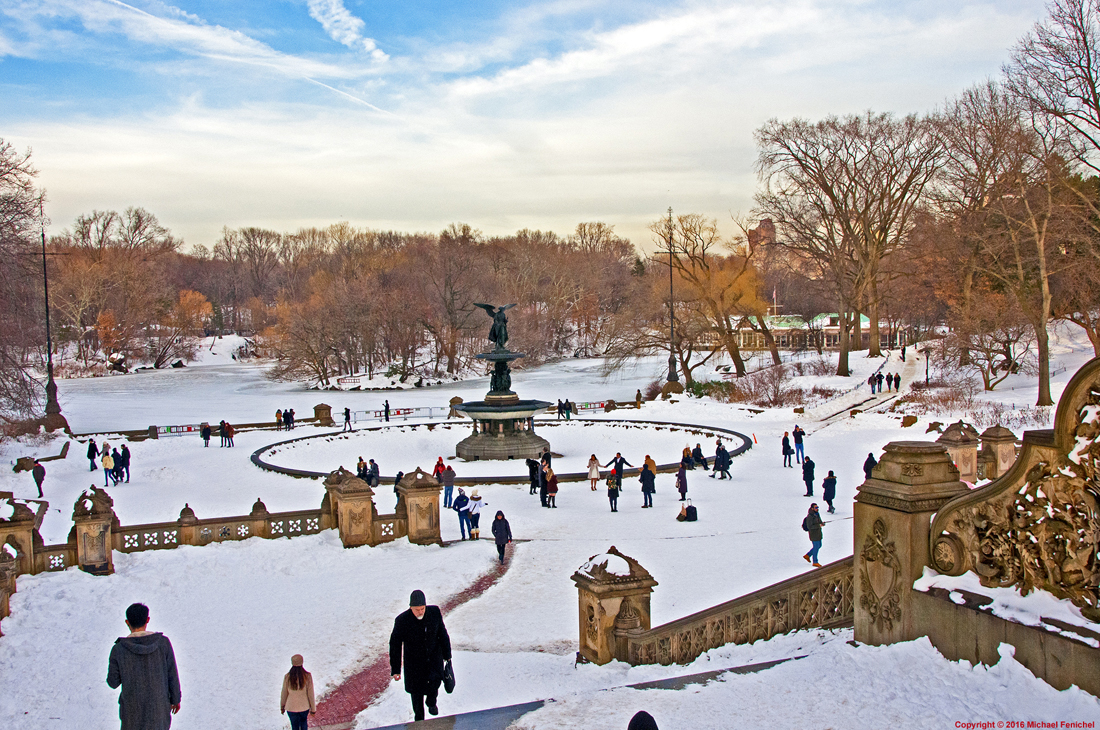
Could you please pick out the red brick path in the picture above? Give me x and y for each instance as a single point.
(337, 709)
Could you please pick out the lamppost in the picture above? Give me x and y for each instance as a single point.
(673, 377)
(54, 420)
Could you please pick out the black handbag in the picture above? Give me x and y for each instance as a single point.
(448, 677)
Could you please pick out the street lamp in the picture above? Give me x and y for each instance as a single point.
(54, 420)
(673, 377)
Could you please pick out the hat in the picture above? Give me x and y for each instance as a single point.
(473, 492)
(296, 660)
(642, 721)
(417, 598)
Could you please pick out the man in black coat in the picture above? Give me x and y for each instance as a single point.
(93, 452)
(808, 476)
(619, 463)
(39, 473)
(697, 455)
(868, 465)
(420, 633)
(533, 473)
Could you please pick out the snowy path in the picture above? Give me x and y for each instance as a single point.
(861, 398)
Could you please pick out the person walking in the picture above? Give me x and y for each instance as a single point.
(39, 473)
(229, 433)
(347, 420)
(206, 432)
(828, 491)
(107, 462)
(533, 474)
(682, 483)
(461, 505)
(879, 378)
(638, 399)
(593, 470)
(278, 419)
(439, 468)
(561, 409)
(475, 506)
(297, 699)
(723, 468)
(144, 665)
(93, 452)
(812, 523)
(386, 411)
(871, 381)
(568, 409)
(619, 463)
(648, 480)
(614, 482)
(124, 467)
(869, 464)
(448, 485)
(697, 456)
(799, 452)
(808, 476)
(551, 488)
(116, 470)
(502, 534)
(903, 353)
(897, 382)
(787, 450)
(419, 640)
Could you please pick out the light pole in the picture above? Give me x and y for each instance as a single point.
(673, 377)
(54, 420)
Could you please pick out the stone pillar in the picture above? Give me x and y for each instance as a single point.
(352, 501)
(8, 571)
(322, 415)
(258, 525)
(93, 516)
(188, 526)
(998, 451)
(18, 533)
(613, 593)
(961, 440)
(418, 494)
(891, 535)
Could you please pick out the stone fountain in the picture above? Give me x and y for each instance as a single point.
(504, 425)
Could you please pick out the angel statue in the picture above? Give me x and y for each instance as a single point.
(498, 333)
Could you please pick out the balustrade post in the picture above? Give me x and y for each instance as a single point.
(961, 441)
(891, 535)
(352, 501)
(18, 532)
(322, 415)
(258, 525)
(418, 499)
(613, 597)
(998, 451)
(93, 517)
(8, 571)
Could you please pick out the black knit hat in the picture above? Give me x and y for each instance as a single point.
(642, 721)
(417, 598)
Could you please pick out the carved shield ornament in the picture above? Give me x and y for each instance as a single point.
(880, 578)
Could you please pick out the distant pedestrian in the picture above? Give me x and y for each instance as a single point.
(39, 473)
(386, 411)
(297, 696)
(373, 473)
(799, 434)
(396, 481)
(144, 665)
(871, 381)
(808, 476)
(642, 720)
(879, 378)
(124, 467)
(593, 470)
(568, 409)
(448, 485)
(869, 465)
(108, 464)
(682, 483)
(724, 469)
(648, 461)
(476, 503)
(347, 420)
(614, 482)
(533, 474)
(638, 399)
(502, 534)
(93, 452)
(551, 489)
(361, 469)
(544, 484)
(787, 450)
(648, 480)
(286, 419)
(461, 505)
(561, 409)
(439, 468)
(419, 640)
(619, 462)
(221, 433)
(828, 488)
(292, 418)
(697, 456)
(278, 419)
(116, 470)
(897, 382)
(903, 353)
(229, 433)
(812, 524)
(206, 432)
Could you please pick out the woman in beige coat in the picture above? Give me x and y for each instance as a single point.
(297, 698)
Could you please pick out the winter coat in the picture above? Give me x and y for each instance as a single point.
(461, 503)
(125, 454)
(697, 453)
(829, 487)
(798, 433)
(502, 531)
(92, 450)
(868, 465)
(107, 462)
(682, 481)
(807, 470)
(812, 524)
(619, 463)
(593, 469)
(721, 459)
(552, 484)
(422, 644)
(39, 473)
(648, 481)
(533, 470)
(438, 470)
(145, 666)
(298, 700)
(476, 505)
(449, 478)
(206, 432)
(652, 465)
(372, 475)
(787, 446)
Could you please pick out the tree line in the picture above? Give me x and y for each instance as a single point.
(978, 221)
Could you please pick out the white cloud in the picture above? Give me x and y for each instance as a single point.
(342, 26)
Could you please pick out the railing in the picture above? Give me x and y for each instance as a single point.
(157, 536)
(54, 557)
(821, 599)
(289, 524)
(402, 414)
(167, 535)
(388, 528)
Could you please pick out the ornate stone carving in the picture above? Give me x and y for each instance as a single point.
(912, 470)
(1039, 528)
(880, 578)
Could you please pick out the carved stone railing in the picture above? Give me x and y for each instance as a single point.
(388, 528)
(820, 599)
(49, 558)
(1038, 525)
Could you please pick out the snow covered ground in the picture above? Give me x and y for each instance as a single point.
(237, 611)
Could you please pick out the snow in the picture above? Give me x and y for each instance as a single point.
(7, 509)
(613, 564)
(236, 612)
(1008, 604)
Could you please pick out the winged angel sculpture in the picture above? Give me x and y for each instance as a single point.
(498, 333)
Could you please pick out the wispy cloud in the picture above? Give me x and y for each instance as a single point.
(342, 26)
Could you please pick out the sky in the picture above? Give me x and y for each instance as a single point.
(413, 115)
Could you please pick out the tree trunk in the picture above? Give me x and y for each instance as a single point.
(874, 349)
(770, 341)
(845, 343)
(734, 351)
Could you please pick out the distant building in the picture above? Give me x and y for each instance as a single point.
(791, 332)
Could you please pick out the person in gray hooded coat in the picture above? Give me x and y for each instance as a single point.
(144, 664)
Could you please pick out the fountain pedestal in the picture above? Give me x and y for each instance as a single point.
(504, 425)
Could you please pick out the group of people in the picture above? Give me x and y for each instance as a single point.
(566, 408)
(892, 380)
(543, 480)
(798, 450)
(115, 463)
(469, 520)
(284, 419)
(367, 471)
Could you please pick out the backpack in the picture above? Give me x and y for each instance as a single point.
(692, 513)
(804, 521)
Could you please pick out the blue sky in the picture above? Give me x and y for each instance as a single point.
(412, 115)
